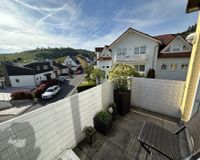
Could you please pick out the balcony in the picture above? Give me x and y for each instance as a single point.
(121, 142)
(44, 134)
(133, 58)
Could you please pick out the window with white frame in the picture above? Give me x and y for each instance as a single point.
(143, 49)
(176, 47)
(136, 67)
(124, 50)
(141, 68)
(173, 67)
(119, 52)
(136, 50)
(163, 67)
(184, 67)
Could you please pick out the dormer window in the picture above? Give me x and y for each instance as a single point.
(176, 47)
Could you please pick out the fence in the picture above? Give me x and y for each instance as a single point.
(162, 96)
(44, 133)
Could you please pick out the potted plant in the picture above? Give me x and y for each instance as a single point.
(119, 74)
(103, 122)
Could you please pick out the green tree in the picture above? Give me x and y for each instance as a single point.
(88, 70)
(119, 74)
(97, 74)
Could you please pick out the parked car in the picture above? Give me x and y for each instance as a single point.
(50, 92)
(63, 78)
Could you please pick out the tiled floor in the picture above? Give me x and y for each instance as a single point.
(121, 141)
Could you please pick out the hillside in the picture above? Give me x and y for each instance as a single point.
(43, 53)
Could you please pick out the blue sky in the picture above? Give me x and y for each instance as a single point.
(86, 24)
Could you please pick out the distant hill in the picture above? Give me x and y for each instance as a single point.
(44, 53)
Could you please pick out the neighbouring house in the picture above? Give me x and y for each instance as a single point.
(168, 54)
(60, 68)
(132, 47)
(173, 58)
(28, 75)
(72, 62)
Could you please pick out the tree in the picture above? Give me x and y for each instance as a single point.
(88, 70)
(97, 74)
(119, 74)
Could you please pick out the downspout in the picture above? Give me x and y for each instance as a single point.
(155, 56)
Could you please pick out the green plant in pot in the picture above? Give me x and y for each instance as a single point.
(120, 74)
(103, 122)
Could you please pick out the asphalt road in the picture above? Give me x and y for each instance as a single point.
(66, 89)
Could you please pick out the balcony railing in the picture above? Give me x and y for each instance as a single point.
(141, 57)
(46, 132)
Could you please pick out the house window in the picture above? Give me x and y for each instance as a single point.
(141, 68)
(136, 50)
(45, 67)
(107, 66)
(124, 50)
(136, 67)
(184, 67)
(176, 47)
(143, 49)
(119, 52)
(163, 67)
(38, 68)
(173, 67)
(17, 80)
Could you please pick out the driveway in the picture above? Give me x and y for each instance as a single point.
(67, 89)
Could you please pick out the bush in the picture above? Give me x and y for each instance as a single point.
(18, 95)
(86, 85)
(119, 74)
(151, 73)
(37, 92)
(103, 116)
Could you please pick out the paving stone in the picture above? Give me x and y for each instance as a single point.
(129, 125)
(80, 154)
(109, 151)
(171, 126)
(120, 137)
(89, 150)
(136, 150)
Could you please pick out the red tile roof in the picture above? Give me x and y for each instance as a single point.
(165, 39)
(104, 58)
(175, 55)
(99, 49)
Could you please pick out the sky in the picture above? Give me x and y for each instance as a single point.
(85, 24)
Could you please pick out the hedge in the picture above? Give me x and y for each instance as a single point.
(18, 95)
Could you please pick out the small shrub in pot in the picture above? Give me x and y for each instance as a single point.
(103, 122)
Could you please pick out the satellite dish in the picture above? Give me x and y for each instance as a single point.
(191, 38)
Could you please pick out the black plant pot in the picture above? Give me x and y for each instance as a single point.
(103, 126)
(122, 99)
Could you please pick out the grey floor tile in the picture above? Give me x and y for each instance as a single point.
(87, 149)
(129, 125)
(120, 137)
(136, 150)
(109, 151)
(171, 126)
(80, 154)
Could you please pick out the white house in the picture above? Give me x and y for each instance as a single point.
(29, 75)
(72, 62)
(167, 54)
(132, 47)
(173, 58)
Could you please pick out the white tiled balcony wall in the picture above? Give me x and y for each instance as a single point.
(45, 132)
(162, 96)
